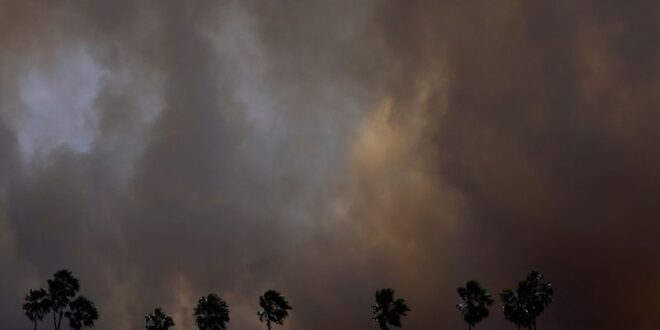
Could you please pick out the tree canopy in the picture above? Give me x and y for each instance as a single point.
(528, 302)
(36, 305)
(387, 311)
(82, 313)
(476, 300)
(211, 313)
(274, 308)
(158, 320)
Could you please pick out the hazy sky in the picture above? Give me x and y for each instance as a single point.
(162, 150)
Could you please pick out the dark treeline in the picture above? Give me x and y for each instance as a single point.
(521, 306)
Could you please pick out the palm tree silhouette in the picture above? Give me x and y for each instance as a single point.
(538, 294)
(61, 290)
(211, 313)
(82, 313)
(59, 299)
(514, 309)
(475, 304)
(36, 305)
(528, 302)
(274, 308)
(158, 320)
(387, 311)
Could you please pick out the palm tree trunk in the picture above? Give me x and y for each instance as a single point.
(59, 322)
(35, 324)
(268, 324)
(55, 319)
(469, 326)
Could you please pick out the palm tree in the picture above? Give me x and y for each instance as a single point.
(514, 309)
(61, 290)
(387, 311)
(475, 304)
(211, 313)
(82, 313)
(537, 293)
(528, 302)
(36, 305)
(158, 320)
(274, 308)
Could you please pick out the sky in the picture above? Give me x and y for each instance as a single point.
(164, 150)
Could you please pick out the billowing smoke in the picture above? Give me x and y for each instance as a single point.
(163, 150)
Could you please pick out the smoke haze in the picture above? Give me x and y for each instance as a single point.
(162, 150)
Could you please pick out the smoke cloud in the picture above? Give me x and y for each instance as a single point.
(162, 151)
